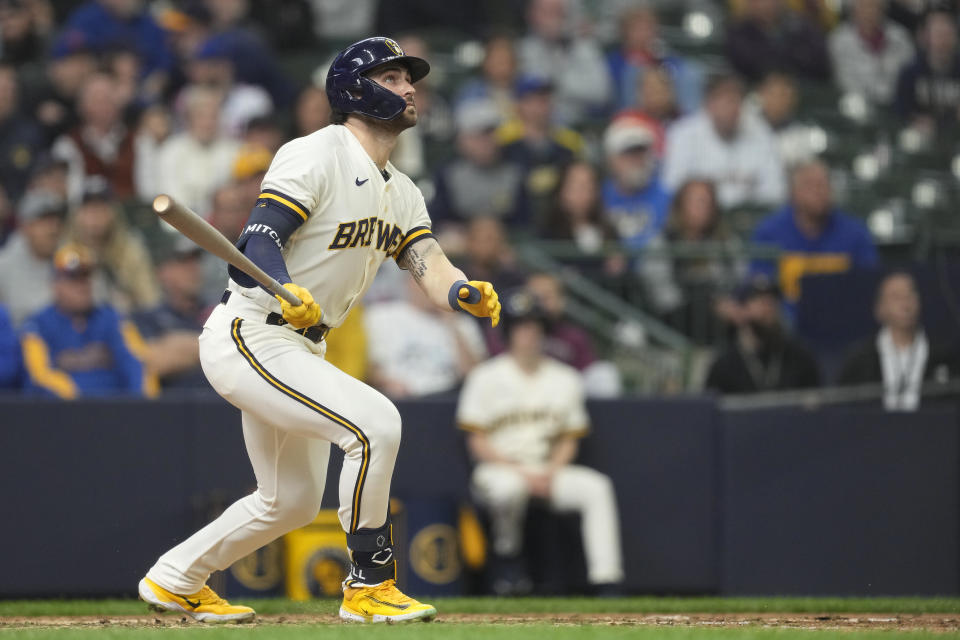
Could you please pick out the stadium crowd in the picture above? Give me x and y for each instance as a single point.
(551, 123)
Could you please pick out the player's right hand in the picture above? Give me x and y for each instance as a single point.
(305, 315)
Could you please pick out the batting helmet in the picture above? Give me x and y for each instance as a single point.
(350, 92)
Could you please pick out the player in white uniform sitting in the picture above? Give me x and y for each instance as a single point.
(524, 413)
(331, 210)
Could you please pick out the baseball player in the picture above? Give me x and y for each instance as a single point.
(524, 414)
(331, 210)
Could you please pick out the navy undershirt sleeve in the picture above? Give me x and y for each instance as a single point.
(262, 240)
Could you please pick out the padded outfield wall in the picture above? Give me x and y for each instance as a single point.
(830, 501)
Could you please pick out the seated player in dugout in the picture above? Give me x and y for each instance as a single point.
(525, 413)
(332, 208)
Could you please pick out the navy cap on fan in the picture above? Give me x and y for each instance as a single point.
(350, 92)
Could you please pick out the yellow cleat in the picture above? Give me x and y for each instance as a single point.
(382, 603)
(204, 606)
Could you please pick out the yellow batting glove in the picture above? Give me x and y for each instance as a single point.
(303, 316)
(476, 298)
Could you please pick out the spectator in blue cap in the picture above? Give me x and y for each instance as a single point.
(107, 24)
(71, 63)
(212, 66)
(534, 142)
(76, 347)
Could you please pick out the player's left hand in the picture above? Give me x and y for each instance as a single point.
(306, 314)
(477, 298)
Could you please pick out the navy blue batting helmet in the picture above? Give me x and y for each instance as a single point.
(350, 92)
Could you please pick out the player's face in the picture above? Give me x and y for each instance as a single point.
(396, 79)
(526, 339)
(74, 292)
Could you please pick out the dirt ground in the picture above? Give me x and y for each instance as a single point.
(925, 622)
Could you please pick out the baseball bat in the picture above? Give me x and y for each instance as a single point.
(202, 232)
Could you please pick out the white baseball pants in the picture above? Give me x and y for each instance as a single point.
(503, 491)
(294, 405)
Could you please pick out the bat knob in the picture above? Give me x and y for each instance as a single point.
(162, 204)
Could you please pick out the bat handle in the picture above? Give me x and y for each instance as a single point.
(278, 289)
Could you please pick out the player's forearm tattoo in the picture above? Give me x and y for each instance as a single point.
(414, 259)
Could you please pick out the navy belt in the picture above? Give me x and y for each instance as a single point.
(316, 333)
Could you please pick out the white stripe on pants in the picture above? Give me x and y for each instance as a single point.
(503, 490)
(294, 405)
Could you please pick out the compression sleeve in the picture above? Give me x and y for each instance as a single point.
(270, 225)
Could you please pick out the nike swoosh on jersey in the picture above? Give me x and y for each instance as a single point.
(360, 182)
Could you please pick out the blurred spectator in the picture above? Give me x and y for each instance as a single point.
(928, 90)
(813, 235)
(497, 79)
(763, 356)
(211, 66)
(722, 144)
(75, 347)
(170, 330)
(435, 126)
(264, 132)
(251, 61)
(24, 40)
(52, 103)
(533, 142)
(684, 288)
(194, 163)
(228, 215)
(21, 141)
(101, 144)
(49, 174)
(416, 349)
(576, 212)
(868, 52)
(821, 13)
(911, 13)
(153, 130)
(562, 340)
(524, 413)
(899, 356)
(11, 361)
(770, 37)
(346, 19)
(570, 343)
(26, 259)
(124, 274)
(656, 97)
(108, 24)
(775, 103)
(634, 200)
(288, 25)
(643, 51)
(312, 111)
(7, 220)
(573, 62)
(478, 182)
(249, 167)
(489, 257)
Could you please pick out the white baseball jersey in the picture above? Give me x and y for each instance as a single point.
(523, 413)
(354, 218)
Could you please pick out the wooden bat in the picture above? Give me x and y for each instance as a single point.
(200, 231)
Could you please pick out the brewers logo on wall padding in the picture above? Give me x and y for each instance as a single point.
(434, 554)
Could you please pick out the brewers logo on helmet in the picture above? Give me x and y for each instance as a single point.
(349, 91)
